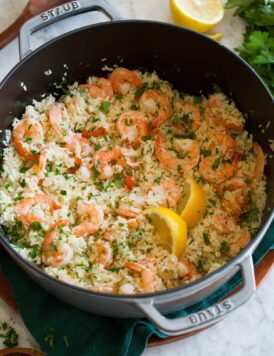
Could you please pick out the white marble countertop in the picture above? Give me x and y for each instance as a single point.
(248, 331)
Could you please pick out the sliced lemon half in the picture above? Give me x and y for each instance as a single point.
(198, 15)
(171, 227)
(216, 36)
(192, 205)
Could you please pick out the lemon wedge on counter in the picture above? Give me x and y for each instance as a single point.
(192, 205)
(171, 227)
(216, 36)
(198, 15)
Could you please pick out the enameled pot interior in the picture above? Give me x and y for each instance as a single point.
(191, 62)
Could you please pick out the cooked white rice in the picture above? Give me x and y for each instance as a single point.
(210, 244)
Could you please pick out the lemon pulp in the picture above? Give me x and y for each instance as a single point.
(171, 227)
(192, 205)
(198, 15)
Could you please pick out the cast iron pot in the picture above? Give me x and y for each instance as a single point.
(190, 61)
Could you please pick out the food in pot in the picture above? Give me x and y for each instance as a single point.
(125, 185)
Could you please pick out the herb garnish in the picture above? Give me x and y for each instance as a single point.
(258, 46)
(104, 107)
(9, 335)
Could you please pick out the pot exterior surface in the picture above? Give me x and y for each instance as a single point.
(191, 62)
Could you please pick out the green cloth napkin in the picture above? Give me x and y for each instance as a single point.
(74, 332)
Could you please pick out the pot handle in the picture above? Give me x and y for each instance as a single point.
(58, 13)
(208, 316)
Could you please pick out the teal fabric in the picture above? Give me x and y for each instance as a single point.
(74, 332)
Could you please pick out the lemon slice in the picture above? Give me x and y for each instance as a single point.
(192, 205)
(198, 15)
(171, 228)
(216, 36)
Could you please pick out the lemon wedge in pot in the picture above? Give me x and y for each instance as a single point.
(171, 227)
(198, 15)
(192, 205)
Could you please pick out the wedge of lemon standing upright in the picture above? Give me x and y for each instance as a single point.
(171, 227)
(192, 205)
(198, 15)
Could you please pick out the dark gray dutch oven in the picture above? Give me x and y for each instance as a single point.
(192, 63)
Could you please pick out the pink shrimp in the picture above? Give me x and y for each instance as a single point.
(101, 89)
(123, 79)
(104, 158)
(26, 135)
(101, 252)
(42, 202)
(169, 192)
(91, 217)
(56, 253)
(80, 146)
(222, 163)
(187, 269)
(132, 126)
(147, 275)
(42, 163)
(103, 289)
(236, 202)
(260, 161)
(186, 116)
(241, 240)
(217, 111)
(157, 103)
(128, 211)
(55, 114)
(187, 157)
(102, 161)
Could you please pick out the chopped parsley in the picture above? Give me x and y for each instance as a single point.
(212, 201)
(9, 335)
(224, 246)
(63, 86)
(104, 107)
(191, 135)
(252, 214)
(23, 169)
(205, 153)
(28, 139)
(158, 180)
(98, 147)
(243, 157)
(117, 205)
(17, 230)
(119, 182)
(149, 219)
(36, 226)
(23, 183)
(116, 269)
(197, 100)
(134, 107)
(94, 119)
(96, 173)
(200, 267)
(206, 238)
(140, 91)
(53, 247)
(216, 163)
(63, 192)
(33, 253)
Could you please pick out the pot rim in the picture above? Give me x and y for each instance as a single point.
(180, 289)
